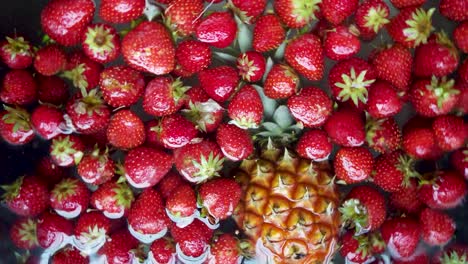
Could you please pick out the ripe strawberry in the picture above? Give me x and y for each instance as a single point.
(149, 48)
(235, 143)
(355, 248)
(18, 88)
(394, 65)
(225, 249)
(47, 121)
(371, 16)
(459, 161)
(181, 203)
(15, 127)
(182, 16)
(57, 23)
(462, 103)
(314, 144)
(53, 231)
(412, 26)
(66, 150)
(218, 29)
(353, 165)
(219, 197)
(419, 142)
(90, 232)
(126, 130)
(456, 253)
(456, 10)
(200, 161)
(393, 171)
(52, 90)
(305, 55)
(192, 240)
(336, 11)
(121, 85)
(82, 71)
(162, 251)
(463, 76)
(193, 56)
(50, 60)
(268, 33)
(251, 66)
(69, 198)
(246, 108)
(401, 235)
(169, 184)
(69, 255)
(364, 209)
(383, 135)
(406, 198)
(174, 131)
(206, 115)
(281, 82)
(460, 36)
(341, 43)
(219, 83)
(111, 10)
(49, 172)
(311, 106)
(101, 43)
(406, 3)
(195, 95)
(16, 52)
(437, 228)
(147, 220)
(450, 132)
(145, 167)
(383, 100)
(23, 233)
(445, 190)
(96, 167)
(120, 248)
(113, 199)
(88, 113)
(26, 196)
(345, 127)
(164, 96)
(296, 15)
(247, 11)
(433, 97)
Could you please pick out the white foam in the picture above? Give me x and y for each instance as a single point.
(182, 222)
(69, 214)
(192, 260)
(146, 238)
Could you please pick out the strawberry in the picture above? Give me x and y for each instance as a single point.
(88, 113)
(164, 96)
(90, 231)
(225, 249)
(401, 234)
(182, 16)
(281, 82)
(113, 199)
(195, 95)
(120, 248)
(311, 106)
(206, 115)
(341, 43)
(218, 29)
(50, 60)
(305, 55)
(69, 198)
(353, 165)
(52, 90)
(53, 230)
(18, 87)
(149, 48)
(355, 248)
(268, 33)
(459, 161)
(456, 10)
(174, 131)
(162, 251)
(351, 79)
(69, 255)
(169, 184)
(82, 71)
(49, 172)
(406, 3)
(16, 52)
(456, 253)
(419, 142)
(383, 100)
(437, 228)
(152, 134)
(296, 14)
(15, 126)
(181, 203)
(26, 196)
(445, 190)
(406, 198)
(121, 85)
(57, 23)
(23, 233)
(450, 132)
(251, 66)
(193, 56)
(345, 127)
(460, 36)
(314, 144)
(147, 220)
(219, 83)
(126, 130)
(235, 143)
(247, 11)
(219, 197)
(411, 27)
(364, 209)
(383, 135)
(66, 150)
(192, 240)
(96, 167)
(463, 76)
(371, 16)
(145, 167)
(112, 11)
(200, 161)
(462, 104)
(101, 43)
(394, 65)
(433, 97)
(393, 171)
(47, 121)
(336, 11)
(246, 108)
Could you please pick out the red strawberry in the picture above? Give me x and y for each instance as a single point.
(96, 168)
(121, 11)
(219, 83)
(311, 106)
(52, 90)
(364, 209)
(66, 150)
(49, 172)
(16, 52)
(225, 249)
(219, 29)
(281, 82)
(113, 199)
(69, 198)
(251, 66)
(181, 203)
(314, 144)
(353, 165)
(47, 121)
(219, 197)
(145, 167)
(456, 10)
(235, 143)
(406, 3)
(406, 198)
(268, 33)
(199, 162)
(149, 48)
(193, 56)
(305, 55)
(463, 77)
(401, 235)
(346, 128)
(82, 71)
(69, 255)
(355, 248)
(437, 228)
(294, 15)
(383, 135)
(162, 251)
(53, 230)
(246, 108)
(394, 65)
(169, 184)
(174, 131)
(247, 11)
(412, 26)
(26, 196)
(120, 248)
(341, 43)
(419, 142)
(147, 220)
(91, 227)
(456, 253)
(462, 104)
(383, 100)
(460, 36)
(459, 161)
(336, 11)
(126, 130)
(121, 86)
(450, 132)
(195, 95)
(164, 96)
(88, 114)
(182, 16)
(23, 233)
(101, 43)
(433, 97)
(15, 127)
(393, 171)
(18, 87)
(371, 16)
(152, 134)
(50, 60)
(65, 20)
(192, 240)
(445, 191)
(206, 115)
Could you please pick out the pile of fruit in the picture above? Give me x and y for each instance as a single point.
(191, 131)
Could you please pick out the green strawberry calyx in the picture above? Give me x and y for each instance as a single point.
(419, 26)
(12, 191)
(354, 214)
(65, 189)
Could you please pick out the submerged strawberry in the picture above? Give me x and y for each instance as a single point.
(445, 190)
(383, 100)
(401, 236)
(69, 198)
(121, 248)
(235, 143)
(90, 231)
(16, 52)
(96, 167)
(247, 11)
(52, 90)
(82, 71)
(437, 227)
(50, 60)
(181, 203)
(113, 199)
(126, 130)
(193, 56)
(15, 127)
(219, 197)
(88, 113)
(174, 131)
(164, 96)
(47, 121)
(26, 196)
(192, 240)
(162, 250)
(53, 231)
(23, 233)
(66, 150)
(394, 65)
(70, 255)
(121, 85)
(18, 88)
(450, 132)
(226, 249)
